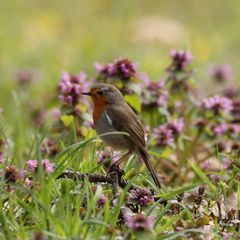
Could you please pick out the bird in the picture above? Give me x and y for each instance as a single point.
(118, 125)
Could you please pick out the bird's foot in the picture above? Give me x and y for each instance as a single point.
(117, 169)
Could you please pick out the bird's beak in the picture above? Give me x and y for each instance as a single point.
(87, 93)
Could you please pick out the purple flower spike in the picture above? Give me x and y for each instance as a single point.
(231, 92)
(28, 182)
(235, 128)
(236, 108)
(47, 166)
(221, 73)
(163, 135)
(139, 222)
(121, 69)
(176, 126)
(32, 164)
(217, 103)
(70, 87)
(101, 200)
(24, 76)
(167, 133)
(220, 129)
(180, 59)
(162, 100)
(141, 197)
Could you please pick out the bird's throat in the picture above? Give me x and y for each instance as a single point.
(99, 107)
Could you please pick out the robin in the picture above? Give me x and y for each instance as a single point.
(118, 125)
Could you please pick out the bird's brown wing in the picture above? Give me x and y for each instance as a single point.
(125, 120)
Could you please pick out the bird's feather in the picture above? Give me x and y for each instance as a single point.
(125, 120)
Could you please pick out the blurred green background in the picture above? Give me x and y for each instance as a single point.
(51, 36)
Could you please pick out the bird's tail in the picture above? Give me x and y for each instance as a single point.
(146, 158)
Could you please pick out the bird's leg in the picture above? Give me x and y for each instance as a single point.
(115, 169)
(123, 158)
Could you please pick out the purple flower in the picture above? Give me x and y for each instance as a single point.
(220, 129)
(121, 69)
(180, 59)
(221, 73)
(163, 98)
(226, 235)
(218, 103)
(235, 128)
(141, 197)
(163, 135)
(11, 174)
(145, 79)
(48, 166)
(56, 113)
(167, 133)
(24, 76)
(107, 154)
(70, 87)
(22, 173)
(155, 95)
(149, 85)
(88, 124)
(236, 108)
(231, 92)
(139, 222)
(32, 165)
(102, 200)
(176, 126)
(28, 182)
(228, 164)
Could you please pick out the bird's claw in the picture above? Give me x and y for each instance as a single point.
(117, 169)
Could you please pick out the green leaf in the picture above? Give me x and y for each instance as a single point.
(173, 192)
(134, 101)
(67, 120)
(204, 177)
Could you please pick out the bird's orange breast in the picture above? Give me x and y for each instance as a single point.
(99, 106)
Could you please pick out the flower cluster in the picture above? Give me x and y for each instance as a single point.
(218, 104)
(142, 197)
(180, 59)
(231, 92)
(179, 73)
(122, 69)
(166, 134)
(24, 76)
(70, 87)
(220, 123)
(154, 93)
(139, 222)
(108, 153)
(46, 164)
(220, 129)
(11, 174)
(236, 108)
(221, 73)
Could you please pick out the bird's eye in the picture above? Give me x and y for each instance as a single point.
(100, 93)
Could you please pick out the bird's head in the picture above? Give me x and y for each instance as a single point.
(104, 94)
